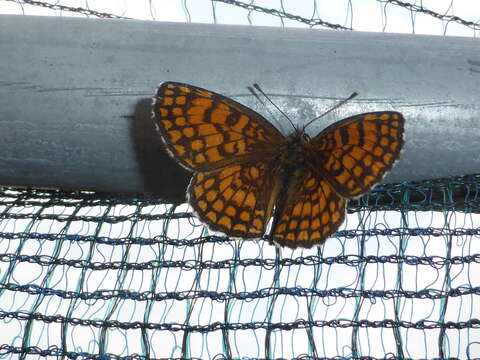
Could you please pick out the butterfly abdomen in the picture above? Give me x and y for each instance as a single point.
(292, 168)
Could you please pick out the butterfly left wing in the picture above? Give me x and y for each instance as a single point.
(310, 213)
(355, 153)
(204, 130)
(235, 200)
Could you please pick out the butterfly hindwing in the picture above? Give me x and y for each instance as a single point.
(355, 153)
(234, 200)
(309, 217)
(206, 131)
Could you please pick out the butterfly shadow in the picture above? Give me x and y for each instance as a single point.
(162, 176)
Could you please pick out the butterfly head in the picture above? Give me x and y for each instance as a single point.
(296, 143)
(299, 135)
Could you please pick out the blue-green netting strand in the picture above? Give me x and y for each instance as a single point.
(85, 275)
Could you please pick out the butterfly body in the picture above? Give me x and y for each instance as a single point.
(291, 169)
(290, 161)
(246, 172)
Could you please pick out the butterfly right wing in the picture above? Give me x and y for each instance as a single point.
(355, 153)
(236, 200)
(311, 212)
(204, 130)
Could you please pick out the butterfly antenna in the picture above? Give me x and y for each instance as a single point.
(256, 86)
(256, 96)
(261, 102)
(343, 102)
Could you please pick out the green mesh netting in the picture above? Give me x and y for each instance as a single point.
(94, 276)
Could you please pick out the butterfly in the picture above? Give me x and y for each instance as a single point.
(246, 172)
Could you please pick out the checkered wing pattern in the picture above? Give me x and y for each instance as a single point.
(206, 131)
(355, 153)
(245, 170)
(310, 215)
(236, 200)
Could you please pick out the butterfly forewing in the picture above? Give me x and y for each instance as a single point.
(235, 200)
(355, 153)
(205, 131)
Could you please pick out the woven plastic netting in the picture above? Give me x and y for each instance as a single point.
(91, 276)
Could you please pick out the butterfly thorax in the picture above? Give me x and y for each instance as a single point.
(294, 151)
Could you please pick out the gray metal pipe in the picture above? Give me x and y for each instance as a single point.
(75, 94)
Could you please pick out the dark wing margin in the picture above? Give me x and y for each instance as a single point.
(204, 130)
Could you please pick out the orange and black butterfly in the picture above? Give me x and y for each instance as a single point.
(245, 171)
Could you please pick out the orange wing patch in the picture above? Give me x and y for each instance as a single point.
(205, 131)
(355, 153)
(235, 200)
(314, 214)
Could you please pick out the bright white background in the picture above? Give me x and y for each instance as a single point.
(361, 15)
